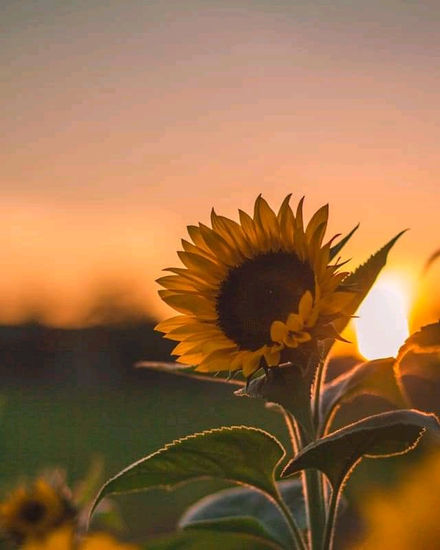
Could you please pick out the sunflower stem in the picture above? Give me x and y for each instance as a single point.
(312, 487)
(316, 395)
(315, 505)
(314, 480)
(329, 533)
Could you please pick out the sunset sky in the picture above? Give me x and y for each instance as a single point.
(123, 122)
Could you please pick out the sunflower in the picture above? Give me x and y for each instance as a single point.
(64, 539)
(33, 512)
(253, 291)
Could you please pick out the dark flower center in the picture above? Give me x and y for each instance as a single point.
(259, 291)
(33, 511)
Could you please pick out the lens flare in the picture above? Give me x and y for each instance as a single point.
(382, 323)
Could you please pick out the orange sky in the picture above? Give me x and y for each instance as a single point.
(124, 122)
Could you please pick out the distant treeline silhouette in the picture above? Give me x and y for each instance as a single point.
(32, 354)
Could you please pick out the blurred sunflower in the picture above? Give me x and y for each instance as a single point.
(35, 511)
(405, 517)
(252, 290)
(64, 539)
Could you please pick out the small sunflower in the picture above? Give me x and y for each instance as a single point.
(252, 290)
(65, 539)
(34, 512)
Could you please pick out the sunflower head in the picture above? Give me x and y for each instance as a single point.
(33, 512)
(255, 292)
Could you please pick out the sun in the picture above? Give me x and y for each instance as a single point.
(382, 323)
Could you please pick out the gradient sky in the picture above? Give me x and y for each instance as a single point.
(122, 122)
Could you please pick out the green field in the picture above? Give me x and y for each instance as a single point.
(67, 428)
(44, 428)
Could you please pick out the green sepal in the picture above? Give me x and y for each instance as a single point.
(241, 501)
(334, 250)
(381, 435)
(239, 454)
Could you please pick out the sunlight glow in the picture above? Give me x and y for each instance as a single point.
(382, 323)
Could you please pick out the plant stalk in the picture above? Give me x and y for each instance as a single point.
(331, 518)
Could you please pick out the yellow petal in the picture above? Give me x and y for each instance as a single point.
(294, 322)
(305, 305)
(205, 281)
(278, 331)
(319, 217)
(220, 247)
(272, 356)
(171, 323)
(299, 215)
(174, 282)
(302, 337)
(196, 237)
(266, 219)
(215, 361)
(249, 230)
(251, 363)
(191, 359)
(189, 247)
(286, 221)
(192, 328)
(232, 233)
(201, 265)
(190, 304)
(284, 207)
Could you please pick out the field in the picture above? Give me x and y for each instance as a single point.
(68, 428)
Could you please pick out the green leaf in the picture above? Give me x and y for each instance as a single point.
(363, 278)
(239, 524)
(373, 377)
(241, 501)
(425, 341)
(189, 372)
(385, 434)
(334, 250)
(197, 539)
(239, 454)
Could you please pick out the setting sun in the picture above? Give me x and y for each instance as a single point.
(382, 323)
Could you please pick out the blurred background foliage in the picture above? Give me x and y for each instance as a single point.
(70, 396)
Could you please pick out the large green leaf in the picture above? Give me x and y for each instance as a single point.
(198, 539)
(373, 377)
(241, 501)
(385, 434)
(239, 454)
(425, 341)
(189, 372)
(239, 524)
(362, 279)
